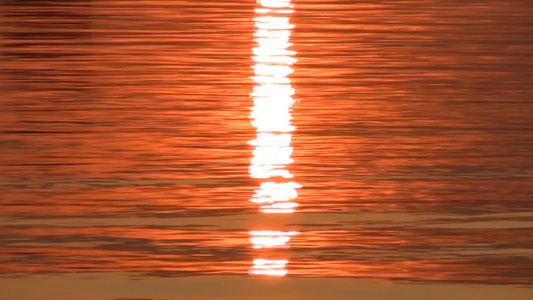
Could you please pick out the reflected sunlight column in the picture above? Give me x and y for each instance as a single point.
(271, 116)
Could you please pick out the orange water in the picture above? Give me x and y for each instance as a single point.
(402, 150)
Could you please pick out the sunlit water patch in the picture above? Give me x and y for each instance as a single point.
(397, 146)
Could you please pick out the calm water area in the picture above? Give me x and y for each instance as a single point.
(266, 149)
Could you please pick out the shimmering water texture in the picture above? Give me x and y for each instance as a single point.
(341, 140)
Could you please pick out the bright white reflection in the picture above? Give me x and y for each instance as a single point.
(270, 267)
(276, 197)
(271, 117)
(271, 239)
(275, 3)
(271, 113)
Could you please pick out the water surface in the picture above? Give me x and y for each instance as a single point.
(375, 146)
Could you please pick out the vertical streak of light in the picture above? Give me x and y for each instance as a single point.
(271, 116)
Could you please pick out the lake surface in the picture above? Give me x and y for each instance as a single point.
(250, 150)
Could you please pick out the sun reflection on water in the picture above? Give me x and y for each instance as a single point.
(271, 116)
(271, 239)
(270, 267)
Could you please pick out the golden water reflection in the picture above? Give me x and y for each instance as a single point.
(124, 140)
(271, 116)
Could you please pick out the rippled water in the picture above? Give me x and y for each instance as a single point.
(385, 140)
